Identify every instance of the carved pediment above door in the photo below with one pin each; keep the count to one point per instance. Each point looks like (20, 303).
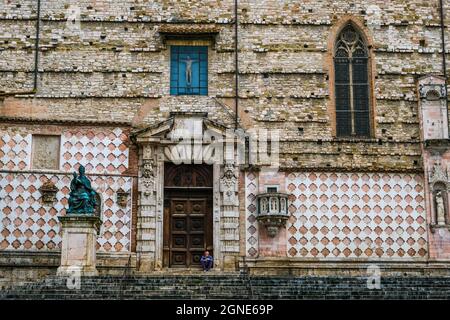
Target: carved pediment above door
(186, 137)
(152, 134)
(194, 124)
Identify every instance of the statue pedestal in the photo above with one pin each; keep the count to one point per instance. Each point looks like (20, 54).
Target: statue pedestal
(79, 239)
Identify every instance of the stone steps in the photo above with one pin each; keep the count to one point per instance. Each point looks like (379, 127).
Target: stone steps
(232, 286)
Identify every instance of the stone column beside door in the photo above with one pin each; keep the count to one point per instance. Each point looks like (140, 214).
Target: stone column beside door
(147, 202)
(229, 237)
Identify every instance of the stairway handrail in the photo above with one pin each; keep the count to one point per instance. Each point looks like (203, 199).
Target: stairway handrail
(126, 273)
(248, 278)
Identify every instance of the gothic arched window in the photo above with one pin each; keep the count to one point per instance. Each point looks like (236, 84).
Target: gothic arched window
(351, 61)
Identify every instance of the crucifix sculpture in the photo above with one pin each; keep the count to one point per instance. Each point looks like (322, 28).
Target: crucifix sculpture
(188, 71)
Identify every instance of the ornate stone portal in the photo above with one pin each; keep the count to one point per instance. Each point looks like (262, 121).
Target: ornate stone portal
(185, 138)
(148, 217)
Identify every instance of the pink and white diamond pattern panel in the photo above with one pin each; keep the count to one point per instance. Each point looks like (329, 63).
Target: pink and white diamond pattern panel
(28, 224)
(100, 151)
(15, 151)
(116, 228)
(25, 222)
(251, 225)
(356, 215)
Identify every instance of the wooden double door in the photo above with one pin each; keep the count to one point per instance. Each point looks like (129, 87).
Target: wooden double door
(187, 216)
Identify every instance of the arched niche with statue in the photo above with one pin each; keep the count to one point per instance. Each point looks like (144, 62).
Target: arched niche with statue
(440, 202)
(440, 187)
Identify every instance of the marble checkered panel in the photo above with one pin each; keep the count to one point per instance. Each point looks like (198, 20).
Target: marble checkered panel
(29, 224)
(357, 215)
(100, 151)
(251, 224)
(349, 215)
(15, 151)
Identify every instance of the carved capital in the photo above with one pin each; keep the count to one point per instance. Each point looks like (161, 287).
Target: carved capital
(122, 197)
(48, 191)
(438, 174)
(148, 175)
(148, 151)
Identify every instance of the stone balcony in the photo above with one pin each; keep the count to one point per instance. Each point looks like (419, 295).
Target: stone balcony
(272, 211)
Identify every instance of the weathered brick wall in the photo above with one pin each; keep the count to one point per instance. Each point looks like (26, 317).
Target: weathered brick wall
(117, 67)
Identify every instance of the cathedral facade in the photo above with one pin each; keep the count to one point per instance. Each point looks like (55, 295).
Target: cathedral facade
(307, 137)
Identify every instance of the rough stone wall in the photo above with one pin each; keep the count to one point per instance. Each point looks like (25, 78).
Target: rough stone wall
(115, 66)
(111, 64)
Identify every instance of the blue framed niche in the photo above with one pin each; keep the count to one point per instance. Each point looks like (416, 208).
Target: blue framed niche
(188, 70)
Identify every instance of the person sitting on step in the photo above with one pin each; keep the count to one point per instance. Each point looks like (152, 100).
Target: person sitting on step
(206, 261)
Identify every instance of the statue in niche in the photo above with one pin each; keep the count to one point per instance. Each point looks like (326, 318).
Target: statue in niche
(439, 200)
(82, 197)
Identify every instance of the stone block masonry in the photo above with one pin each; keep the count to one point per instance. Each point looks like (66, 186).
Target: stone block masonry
(116, 61)
(104, 72)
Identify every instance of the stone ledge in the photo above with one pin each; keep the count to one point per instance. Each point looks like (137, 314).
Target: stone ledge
(9, 120)
(299, 267)
(22, 267)
(23, 259)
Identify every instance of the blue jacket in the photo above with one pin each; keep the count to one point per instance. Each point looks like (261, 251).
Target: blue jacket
(206, 259)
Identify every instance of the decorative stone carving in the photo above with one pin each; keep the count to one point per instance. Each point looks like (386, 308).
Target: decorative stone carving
(148, 174)
(98, 206)
(272, 211)
(432, 91)
(122, 197)
(46, 152)
(228, 185)
(48, 191)
(147, 152)
(438, 174)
